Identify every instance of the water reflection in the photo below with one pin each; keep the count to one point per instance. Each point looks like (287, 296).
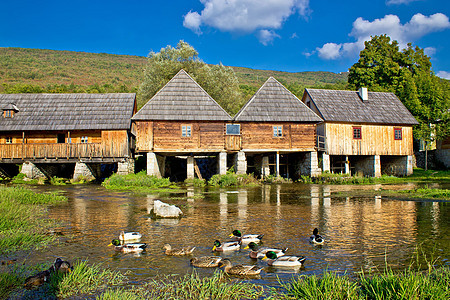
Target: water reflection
(360, 232)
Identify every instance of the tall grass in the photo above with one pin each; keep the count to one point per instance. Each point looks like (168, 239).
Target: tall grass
(233, 179)
(137, 181)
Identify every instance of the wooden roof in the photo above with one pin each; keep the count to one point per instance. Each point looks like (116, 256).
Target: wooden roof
(274, 103)
(182, 99)
(347, 106)
(68, 111)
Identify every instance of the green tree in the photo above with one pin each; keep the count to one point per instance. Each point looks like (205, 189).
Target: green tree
(218, 81)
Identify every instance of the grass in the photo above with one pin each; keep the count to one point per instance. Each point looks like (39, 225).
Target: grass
(138, 182)
(22, 225)
(233, 179)
(427, 193)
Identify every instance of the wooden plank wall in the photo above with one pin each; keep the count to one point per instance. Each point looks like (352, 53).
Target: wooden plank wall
(115, 143)
(376, 140)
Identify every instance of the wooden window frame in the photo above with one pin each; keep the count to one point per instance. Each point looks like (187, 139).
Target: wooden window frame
(226, 129)
(277, 131)
(8, 140)
(396, 130)
(84, 139)
(186, 131)
(357, 133)
(8, 113)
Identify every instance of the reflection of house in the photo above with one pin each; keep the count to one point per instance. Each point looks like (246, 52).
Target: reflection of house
(365, 132)
(45, 131)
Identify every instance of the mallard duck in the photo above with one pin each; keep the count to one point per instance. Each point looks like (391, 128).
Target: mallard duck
(316, 238)
(260, 253)
(206, 261)
(180, 251)
(129, 236)
(236, 235)
(241, 270)
(61, 266)
(129, 247)
(284, 261)
(226, 246)
(37, 280)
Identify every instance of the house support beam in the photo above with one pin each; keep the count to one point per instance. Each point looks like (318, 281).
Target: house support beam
(190, 167)
(241, 163)
(277, 161)
(346, 165)
(156, 164)
(126, 166)
(368, 166)
(398, 165)
(265, 169)
(84, 171)
(325, 162)
(309, 165)
(222, 163)
(31, 171)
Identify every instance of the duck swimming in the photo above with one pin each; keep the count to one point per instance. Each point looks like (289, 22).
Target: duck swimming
(206, 261)
(129, 236)
(129, 247)
(260, 253)
(177, 252)
(240, 270)
(226, 246)
(236, 235)
(284, 261)
(316, 238)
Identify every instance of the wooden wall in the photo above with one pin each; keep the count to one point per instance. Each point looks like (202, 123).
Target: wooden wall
(259, 135)
(376, 140)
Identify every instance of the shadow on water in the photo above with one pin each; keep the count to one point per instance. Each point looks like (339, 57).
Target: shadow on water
(361, 232)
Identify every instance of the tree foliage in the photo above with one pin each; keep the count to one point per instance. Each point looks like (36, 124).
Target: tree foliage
(219, 82)
(408, 73)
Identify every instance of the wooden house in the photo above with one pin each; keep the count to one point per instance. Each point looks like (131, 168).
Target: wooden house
(364, 132)
(277, 133)
(42, 129)
(181, 120)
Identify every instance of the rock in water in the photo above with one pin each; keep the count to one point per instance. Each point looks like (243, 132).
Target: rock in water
(164, 210)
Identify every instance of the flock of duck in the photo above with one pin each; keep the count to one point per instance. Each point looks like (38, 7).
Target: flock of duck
(129, 242)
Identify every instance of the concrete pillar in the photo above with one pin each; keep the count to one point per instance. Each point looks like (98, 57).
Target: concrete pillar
(126, 167)
(241, 163)
(325, 162)
(190, 167)
(347, 166)
(32, 171)
(401, 165)
(156, 164)
(83, 171)
(376, 166)
(369, 166)
(222, 163)
(265, 169)
(309, 165)
(277, 164)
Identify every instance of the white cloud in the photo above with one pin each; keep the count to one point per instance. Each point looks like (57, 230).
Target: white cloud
(429, 51)
(245, 16)
(388, 2)
(266, 36)
(417, 27)
(443, 74)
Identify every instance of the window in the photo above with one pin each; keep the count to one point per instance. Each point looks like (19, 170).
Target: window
(8, 114)
(8, 140)
(84, 139)
(277, 131)
(61, 138)
(357, 133)
(186, 130)
(397, 133)
(233, 129)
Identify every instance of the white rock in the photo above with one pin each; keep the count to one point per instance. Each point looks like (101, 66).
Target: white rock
(164, 210)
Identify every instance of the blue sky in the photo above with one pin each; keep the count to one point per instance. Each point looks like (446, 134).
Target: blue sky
(284, 35)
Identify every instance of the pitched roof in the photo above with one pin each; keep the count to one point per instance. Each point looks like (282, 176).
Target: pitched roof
(274, 103)
(347, 106)
(68, 111)
(182, 99)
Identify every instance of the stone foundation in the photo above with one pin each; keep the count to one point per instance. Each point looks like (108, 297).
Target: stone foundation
(190, 168)
(156, 164)
(240, 163)
(32, 171)
(222, 163)
(398, 165)
(309, 165)
(368, 166)
(85, 171)
(126, 167)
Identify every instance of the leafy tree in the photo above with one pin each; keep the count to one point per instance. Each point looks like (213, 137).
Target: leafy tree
(218, 81)
(407, 73)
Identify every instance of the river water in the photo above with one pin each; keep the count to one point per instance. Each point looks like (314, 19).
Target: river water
(362, 231)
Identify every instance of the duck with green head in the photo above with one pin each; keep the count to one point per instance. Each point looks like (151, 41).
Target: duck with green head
(316, 239)
(261, 252)
(129, 247)
(284, 261)
(226, 246)
(236, 235)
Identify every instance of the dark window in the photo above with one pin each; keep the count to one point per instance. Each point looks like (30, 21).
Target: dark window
(357, 133)
(61, 138)
(186, 130)
(277, 131)
(84, 139)
(233, 129)
(397, 133)
(9, 140)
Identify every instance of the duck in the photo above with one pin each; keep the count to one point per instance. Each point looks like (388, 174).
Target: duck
(61, 266)
(240, 270)
(129, 236)
(37, 280)
(226, 246)
(236, 235)
(129, 247)
(316, 238)
(260, 253)
(206, 261)
(284, 261)
(177, 252)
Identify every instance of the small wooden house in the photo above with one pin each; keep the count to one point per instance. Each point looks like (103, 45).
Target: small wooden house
(364, 132)
(65, 128)
(181, 120)
(277, 130)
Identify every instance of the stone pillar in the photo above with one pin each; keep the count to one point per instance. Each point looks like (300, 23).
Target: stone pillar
(402, 165)
(32, 171)
(325, 162)
(82, 170)
(309, 165)
(156, 164)
(190, 167)
(241, 163)
(369, 166)
(277, 164)
(265, 169)
(126, 166)
(222, 163)
(376, 166)
(347, 165)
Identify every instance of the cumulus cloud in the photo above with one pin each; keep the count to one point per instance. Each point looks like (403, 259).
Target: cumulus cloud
(245, 16)
(417, 27)
(444, 74)
(266, 36)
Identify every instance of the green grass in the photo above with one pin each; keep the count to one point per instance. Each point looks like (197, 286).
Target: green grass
(233, 179)
(427, 193)
(9, 282)
(140, 182)
(22, 225)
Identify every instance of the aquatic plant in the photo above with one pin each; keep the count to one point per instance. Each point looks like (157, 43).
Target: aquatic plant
(197, 182)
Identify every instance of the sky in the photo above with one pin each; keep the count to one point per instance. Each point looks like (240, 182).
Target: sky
(281, 35)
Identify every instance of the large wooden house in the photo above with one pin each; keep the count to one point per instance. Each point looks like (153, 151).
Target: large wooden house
(181, 122)
(277, 133)
(365, 132)
(85, 130)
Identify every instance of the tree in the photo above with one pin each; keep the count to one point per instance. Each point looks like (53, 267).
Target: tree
(407, 73)
(219, 82)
